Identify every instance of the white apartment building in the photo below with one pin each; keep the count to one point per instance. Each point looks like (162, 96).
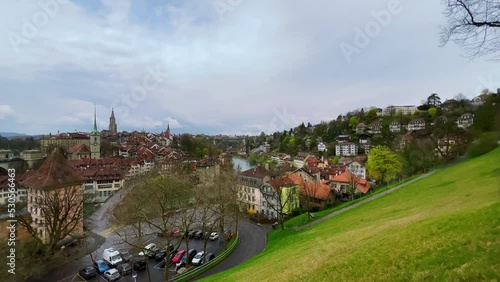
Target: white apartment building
(346, 149)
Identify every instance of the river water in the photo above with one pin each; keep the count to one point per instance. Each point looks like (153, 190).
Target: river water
(242, 163)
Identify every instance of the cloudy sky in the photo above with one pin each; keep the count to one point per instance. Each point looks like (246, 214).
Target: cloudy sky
(221, 66)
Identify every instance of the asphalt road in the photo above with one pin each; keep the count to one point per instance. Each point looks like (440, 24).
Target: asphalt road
(253, 240)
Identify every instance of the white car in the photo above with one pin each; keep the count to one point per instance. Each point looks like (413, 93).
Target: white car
(111, 274)
(149, 250)
(198, 259)
(214, 236)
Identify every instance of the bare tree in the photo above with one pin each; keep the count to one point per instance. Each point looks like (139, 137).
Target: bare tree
(473, 25)
(281, 195)
(60, 212)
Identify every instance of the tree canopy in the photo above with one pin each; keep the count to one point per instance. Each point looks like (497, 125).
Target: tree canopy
(383, 165)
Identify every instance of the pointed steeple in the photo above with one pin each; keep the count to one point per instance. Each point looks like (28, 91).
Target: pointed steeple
(94, 130)
(168, 127)
(112, 112)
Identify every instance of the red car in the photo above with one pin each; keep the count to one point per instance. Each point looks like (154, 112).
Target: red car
(177, 258)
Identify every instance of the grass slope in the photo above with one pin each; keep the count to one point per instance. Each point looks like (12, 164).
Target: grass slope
(445, 227)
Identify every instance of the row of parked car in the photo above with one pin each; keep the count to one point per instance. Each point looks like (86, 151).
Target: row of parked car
(113, 266)
(192, 234)
(177, 257)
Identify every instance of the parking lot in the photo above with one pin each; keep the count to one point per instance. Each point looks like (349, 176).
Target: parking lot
(153, 266)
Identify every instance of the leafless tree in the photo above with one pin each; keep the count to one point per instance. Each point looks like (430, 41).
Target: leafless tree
(280, 195)
(60, 212)
(473, 25)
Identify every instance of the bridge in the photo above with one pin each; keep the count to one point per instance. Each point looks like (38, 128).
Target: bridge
(16, 163)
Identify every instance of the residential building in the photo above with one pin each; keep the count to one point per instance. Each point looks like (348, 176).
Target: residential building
(342, 183)
(309, 174)
(465, 120)
(375, 127)
(346, 149)
(250, 183)
(78, 152)
(416, 124)
(395, 126)
(316, 195)
(55, 179)
(357, 166)
(102, 183)
(394, 110)
(477, 101)
(361, 128)
(280, 195)
(21, 191)
(322, 147)
(300, 159)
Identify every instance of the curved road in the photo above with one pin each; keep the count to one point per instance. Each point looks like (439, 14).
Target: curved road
(253, 240)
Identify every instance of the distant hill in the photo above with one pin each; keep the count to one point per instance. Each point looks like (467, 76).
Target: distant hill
(12, 134)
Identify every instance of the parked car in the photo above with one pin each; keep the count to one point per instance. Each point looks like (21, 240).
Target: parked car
(181, 263)
(208, 257)
(191, 254)
(198, 235)
(139, 263)
(175, 233)
(161, 254)
(178, 256)
(88, 272)
(198, 258)
(191, 234)
(124, 269)
(214, 236)
(149, 250)
(111, 274)
(101, 266)
(112, 257)
(126, 256)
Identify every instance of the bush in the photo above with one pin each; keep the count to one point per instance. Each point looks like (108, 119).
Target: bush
(314, 209)
(486, 143)
(297, 212)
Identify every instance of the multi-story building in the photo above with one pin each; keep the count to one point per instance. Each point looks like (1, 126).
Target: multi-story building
(465, 120)
(395, 126)
(346, 149)
(416, 124)
(55, 185)
(250, 183)
(19, 195)
(394, 110)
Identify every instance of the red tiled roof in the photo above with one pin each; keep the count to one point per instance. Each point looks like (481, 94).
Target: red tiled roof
(54, 173)
(316, 190)
(256, 172)
(348, 177)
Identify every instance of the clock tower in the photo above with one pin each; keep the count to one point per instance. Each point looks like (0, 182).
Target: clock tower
(95, 141)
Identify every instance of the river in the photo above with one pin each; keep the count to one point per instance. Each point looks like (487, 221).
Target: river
(243, 163)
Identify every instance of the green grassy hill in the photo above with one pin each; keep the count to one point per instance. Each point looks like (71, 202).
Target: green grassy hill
(445, 227)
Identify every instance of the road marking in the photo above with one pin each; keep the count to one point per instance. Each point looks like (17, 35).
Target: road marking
(109, 231)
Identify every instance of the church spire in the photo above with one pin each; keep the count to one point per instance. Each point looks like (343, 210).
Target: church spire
(94, 130)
